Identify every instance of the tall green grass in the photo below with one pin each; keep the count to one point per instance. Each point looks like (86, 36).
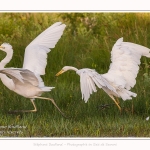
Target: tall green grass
(86, 43)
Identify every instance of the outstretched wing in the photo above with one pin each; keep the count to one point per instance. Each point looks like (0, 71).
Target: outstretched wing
(125, 57)
(89, 79)
(35, 58)
(22, 75)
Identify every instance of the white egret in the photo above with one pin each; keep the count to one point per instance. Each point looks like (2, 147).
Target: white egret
(26, 81)
(120, 78)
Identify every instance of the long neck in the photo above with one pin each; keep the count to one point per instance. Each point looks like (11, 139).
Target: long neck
(6, 81)
(7, 59)
(73, 68)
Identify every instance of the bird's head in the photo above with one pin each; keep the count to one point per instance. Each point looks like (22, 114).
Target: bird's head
(66, 68)
(5, 47)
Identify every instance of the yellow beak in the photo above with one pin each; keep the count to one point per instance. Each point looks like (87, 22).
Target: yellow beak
(59, 73)
(2, 47)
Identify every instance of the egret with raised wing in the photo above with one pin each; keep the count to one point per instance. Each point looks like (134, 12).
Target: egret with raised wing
(121, 76)
(27, 81)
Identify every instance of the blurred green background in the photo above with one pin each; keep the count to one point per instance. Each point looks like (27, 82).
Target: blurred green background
(86, 43)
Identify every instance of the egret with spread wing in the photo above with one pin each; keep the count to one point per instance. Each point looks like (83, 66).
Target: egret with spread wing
(27, 81)
(120, 78)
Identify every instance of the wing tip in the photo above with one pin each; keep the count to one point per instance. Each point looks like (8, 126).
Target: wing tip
(119, 41)
(58, 24)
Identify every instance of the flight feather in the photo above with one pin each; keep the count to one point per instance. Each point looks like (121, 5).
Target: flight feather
(35, 58)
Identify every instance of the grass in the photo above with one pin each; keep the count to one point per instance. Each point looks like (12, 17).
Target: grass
(85, 48)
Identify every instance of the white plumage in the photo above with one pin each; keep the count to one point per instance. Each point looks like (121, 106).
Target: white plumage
(36, 52)
(26, 81)
(121, 76)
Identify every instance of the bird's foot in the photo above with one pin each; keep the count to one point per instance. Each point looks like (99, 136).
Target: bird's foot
(21, 111)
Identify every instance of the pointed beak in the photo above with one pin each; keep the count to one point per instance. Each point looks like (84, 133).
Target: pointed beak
(59, 73)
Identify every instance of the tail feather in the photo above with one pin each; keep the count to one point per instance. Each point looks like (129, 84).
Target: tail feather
(126, 95)
(47, 89)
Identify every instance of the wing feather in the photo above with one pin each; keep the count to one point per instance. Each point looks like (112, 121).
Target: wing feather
(123, 70)
(125, 57)
(22, 75)
(35, 58)
(89, 79)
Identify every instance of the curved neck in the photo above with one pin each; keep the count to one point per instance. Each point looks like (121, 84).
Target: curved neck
(7, 59)
(73, 68)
